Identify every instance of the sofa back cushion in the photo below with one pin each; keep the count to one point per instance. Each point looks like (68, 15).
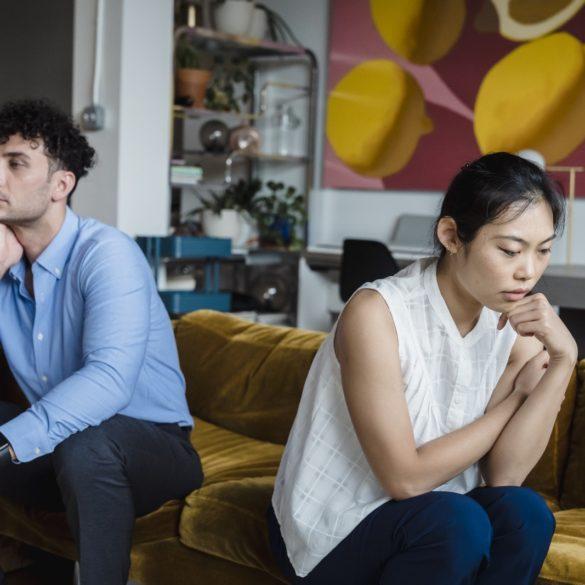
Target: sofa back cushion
(243, 376)
(573, 495)
(547, 475)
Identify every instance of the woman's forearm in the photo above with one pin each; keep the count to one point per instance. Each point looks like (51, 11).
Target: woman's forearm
(443, 458)
(524, 439)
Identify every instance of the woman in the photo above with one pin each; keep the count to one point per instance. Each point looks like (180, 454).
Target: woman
(430, 402)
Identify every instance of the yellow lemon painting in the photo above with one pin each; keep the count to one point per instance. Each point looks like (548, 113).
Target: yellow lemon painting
(528, 100)
(416, 87)
(376, 115)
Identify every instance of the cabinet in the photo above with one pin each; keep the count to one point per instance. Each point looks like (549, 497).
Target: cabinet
(207, 252)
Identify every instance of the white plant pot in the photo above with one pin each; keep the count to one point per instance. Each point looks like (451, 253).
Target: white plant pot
(225, 225)
(258, 24)
(248, 232)
(234, 17)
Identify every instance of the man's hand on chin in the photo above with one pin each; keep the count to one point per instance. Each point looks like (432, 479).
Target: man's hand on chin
(10, 249)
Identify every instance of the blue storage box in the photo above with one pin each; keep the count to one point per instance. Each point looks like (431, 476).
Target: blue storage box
(186, 301)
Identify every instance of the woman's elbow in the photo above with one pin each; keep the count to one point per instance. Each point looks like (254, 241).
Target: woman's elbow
(402, 490)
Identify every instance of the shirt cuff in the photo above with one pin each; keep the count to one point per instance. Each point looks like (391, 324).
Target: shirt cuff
(27, 437)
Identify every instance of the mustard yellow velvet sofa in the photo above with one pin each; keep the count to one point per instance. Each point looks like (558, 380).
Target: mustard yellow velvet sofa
(243, 383)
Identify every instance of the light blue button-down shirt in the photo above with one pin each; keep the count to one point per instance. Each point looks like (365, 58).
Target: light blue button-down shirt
(94, 341)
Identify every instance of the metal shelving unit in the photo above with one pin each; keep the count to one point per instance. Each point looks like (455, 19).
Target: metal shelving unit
(258, 51)
(161, 252)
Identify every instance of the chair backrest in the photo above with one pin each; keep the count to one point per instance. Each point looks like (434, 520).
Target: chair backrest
(364, 261)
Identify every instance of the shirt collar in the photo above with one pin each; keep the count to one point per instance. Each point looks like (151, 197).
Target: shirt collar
(56, 254)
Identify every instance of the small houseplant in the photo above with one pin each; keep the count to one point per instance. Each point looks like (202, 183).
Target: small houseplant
(228, 74)
(280, 214)
(191, 80)
(224, 215)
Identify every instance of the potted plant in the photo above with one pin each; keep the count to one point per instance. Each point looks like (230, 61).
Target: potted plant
(191, 80)
(234, 17)
(279, 215)
(228, 73)
(225, 215)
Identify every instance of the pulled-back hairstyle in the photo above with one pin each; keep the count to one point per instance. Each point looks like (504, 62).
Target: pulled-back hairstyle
(486, 188)
(64, 144)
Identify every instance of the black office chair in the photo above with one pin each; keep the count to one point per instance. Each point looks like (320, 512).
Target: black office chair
(364, 261)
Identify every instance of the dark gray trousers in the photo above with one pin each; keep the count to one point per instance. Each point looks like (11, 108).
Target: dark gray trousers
(103, 478)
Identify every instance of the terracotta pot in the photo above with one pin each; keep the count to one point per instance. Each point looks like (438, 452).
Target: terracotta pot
(192, 83)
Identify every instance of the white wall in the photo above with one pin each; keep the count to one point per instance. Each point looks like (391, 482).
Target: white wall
(308, 20)
(97, 194)
(129, 186)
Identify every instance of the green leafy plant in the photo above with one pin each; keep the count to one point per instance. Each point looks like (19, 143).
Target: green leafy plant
(279, 214)
(186, 55)
(227, 73)
(240, 196)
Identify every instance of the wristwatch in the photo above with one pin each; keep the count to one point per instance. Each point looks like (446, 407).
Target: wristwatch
(5, 456)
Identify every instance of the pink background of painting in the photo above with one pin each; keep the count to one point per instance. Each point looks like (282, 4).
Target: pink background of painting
(449, 86)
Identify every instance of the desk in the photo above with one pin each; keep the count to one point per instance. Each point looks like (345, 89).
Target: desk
(563, 285)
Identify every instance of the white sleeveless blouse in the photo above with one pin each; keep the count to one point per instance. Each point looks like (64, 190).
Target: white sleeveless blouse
(325, 486)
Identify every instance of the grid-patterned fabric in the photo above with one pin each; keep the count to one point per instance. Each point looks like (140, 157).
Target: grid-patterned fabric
(325, 485)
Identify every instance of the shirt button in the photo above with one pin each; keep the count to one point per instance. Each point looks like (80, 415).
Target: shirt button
(40, 337)
(44, 378)
(37, 451)
(57, 271)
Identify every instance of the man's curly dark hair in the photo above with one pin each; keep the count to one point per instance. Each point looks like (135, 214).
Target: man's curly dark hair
(64, 144)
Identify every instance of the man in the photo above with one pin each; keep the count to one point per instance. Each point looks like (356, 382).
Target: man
(88, 340)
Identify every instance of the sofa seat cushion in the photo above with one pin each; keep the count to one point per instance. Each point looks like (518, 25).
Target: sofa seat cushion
(230, 456)
(565, 561)
(49, 530)
(239, 479)
(169, 562)
(552, 503)
(239, 508)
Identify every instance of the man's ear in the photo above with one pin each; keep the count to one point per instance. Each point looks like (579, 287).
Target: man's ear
(63, 183)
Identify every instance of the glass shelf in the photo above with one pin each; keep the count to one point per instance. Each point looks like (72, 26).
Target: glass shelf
(194, 113)
(215, 41)
(262, 156)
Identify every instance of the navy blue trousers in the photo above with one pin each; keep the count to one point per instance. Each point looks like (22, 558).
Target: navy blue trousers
(103, 478)
(489, 536)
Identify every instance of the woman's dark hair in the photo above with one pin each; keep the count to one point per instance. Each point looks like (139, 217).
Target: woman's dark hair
(486, 188)
(64, 144)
